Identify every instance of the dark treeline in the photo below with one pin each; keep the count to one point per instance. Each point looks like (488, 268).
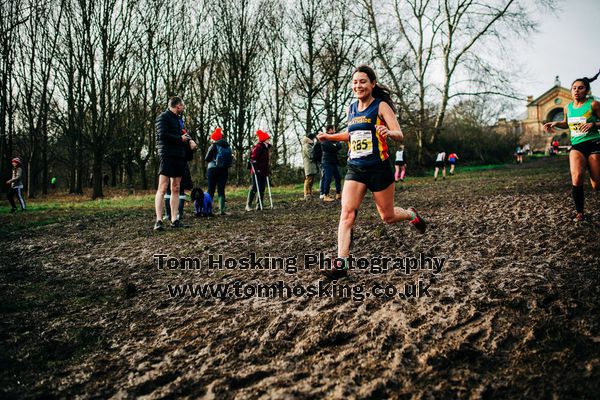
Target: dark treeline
(82, 81)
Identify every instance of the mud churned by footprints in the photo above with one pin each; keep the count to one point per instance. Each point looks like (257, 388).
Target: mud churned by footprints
(514, 312)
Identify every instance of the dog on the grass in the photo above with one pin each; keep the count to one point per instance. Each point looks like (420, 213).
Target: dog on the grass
(203, 204)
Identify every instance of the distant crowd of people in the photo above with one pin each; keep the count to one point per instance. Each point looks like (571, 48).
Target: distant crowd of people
(176, 149)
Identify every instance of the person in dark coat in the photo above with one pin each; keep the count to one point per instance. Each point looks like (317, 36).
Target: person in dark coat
(329, 163)
(171, 144)
(219, 159)
(259, 160)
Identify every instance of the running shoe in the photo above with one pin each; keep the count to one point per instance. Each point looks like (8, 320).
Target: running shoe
(418, 222)
(327, 198)
(579, 217)
(177, 224)
(337, 272)
(321, 196)
(158, 226)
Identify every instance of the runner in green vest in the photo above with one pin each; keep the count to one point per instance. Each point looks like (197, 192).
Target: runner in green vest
(582, 117)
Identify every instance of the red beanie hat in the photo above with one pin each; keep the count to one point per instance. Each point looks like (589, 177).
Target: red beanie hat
(262, 136)
(216, 135)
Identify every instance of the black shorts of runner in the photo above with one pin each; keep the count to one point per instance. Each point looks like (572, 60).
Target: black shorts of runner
(588, 147)
(440, 164)
(377, 177)
(173, 167)
(400, 163)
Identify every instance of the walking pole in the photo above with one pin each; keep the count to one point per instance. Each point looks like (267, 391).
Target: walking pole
(270, 197)
(257, 186)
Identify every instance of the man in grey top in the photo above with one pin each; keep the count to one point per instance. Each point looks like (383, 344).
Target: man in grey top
(310, 166)
(16, 185)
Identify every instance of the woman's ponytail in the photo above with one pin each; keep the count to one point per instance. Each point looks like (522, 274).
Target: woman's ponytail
(587, 81)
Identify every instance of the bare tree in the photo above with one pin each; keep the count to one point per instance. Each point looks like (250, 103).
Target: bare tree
(71, 80)
(37, 53)
(239, 25)
(425, 35)
(276, 103)
(309, 28)
(13, 14)
(343, 47)
(105, 43)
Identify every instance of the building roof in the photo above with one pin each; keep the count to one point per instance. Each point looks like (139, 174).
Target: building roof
(547, 93)
(550, 91)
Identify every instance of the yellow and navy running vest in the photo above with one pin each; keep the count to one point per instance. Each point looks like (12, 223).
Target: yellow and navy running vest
(367, 147)
(579, 116)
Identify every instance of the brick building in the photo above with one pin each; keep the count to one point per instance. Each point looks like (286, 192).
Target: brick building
(545, 108)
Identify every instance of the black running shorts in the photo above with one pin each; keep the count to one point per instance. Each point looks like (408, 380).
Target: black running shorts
(173, 167)
(376, 177)
(588, 147)
(400, 163)
(440, 164)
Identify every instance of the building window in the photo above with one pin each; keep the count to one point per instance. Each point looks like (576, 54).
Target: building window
(556, 114)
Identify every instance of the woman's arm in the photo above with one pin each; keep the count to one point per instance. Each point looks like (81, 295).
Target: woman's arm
(392, 129)
(549, 126)
(591, 125)
(17, 176)
(336, 137)
(210, 154)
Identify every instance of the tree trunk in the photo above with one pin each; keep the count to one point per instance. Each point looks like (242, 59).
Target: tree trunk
(97, 173)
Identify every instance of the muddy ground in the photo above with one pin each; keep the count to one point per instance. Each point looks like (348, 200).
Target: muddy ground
(514, 312)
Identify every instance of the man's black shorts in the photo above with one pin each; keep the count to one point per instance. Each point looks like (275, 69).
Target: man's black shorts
(440, 164)
(173, 167)
(377, 177)
(588, 147)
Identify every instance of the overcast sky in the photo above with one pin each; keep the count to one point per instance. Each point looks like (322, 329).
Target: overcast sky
(567, 45)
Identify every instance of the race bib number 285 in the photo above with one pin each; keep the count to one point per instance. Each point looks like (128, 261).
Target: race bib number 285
(361, 144)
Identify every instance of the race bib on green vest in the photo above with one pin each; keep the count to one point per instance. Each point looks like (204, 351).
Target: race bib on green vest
(575, 124)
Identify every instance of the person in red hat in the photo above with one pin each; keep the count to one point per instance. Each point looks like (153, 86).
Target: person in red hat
(259, 160)
(16, 185)
(219, 158)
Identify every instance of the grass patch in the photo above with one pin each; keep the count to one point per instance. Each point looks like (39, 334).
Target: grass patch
(61, 208)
